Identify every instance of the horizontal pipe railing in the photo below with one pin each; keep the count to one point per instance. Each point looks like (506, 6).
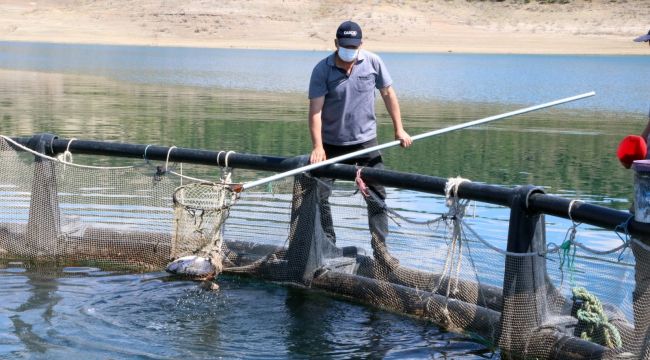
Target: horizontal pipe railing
(494, 194)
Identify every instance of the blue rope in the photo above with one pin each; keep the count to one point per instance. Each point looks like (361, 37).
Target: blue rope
(568, 253)
(626, 241)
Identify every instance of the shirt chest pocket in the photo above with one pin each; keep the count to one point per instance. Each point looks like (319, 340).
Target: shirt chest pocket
(365, 83)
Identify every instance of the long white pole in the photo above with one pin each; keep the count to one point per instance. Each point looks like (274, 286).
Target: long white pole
(333, 160)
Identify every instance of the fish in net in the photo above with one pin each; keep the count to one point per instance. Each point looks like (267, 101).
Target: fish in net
(200, 210)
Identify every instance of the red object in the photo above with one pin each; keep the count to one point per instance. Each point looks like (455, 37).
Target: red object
(362, 185)
(632, 147)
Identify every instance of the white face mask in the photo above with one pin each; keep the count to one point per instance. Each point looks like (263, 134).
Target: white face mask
(348, 55)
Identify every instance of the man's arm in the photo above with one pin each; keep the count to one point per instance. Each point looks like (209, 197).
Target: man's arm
(315, 127)
(390, 100)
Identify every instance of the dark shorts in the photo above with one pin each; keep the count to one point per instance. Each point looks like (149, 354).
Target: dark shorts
(371, 159)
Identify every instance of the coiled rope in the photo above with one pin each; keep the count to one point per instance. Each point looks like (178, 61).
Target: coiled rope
(593, 321)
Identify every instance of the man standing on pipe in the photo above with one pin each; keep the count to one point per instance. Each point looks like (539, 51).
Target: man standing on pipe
(342, 120)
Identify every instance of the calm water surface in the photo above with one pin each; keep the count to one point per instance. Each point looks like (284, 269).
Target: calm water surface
(149, 316)
(255, 102)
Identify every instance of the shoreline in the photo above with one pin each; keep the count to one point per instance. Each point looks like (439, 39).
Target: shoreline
(270, 47)
(579, 27)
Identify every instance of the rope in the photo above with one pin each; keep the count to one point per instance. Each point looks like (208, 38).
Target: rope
(451, 187)
(180, 175)
(451, 196)
(226, 171)
(567, 256)
(172, 172)
(594, 322)
(228, 154)
(168, 153)
(36, 153)
(144, 156)
(66, 156)
(360, 183)
(453, 223)
(626, 240)
(65, 162)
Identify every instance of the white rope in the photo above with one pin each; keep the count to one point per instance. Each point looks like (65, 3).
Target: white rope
(225, 180)
(453, 224)
(36, 153)
(552, 247)
(228, 154)
(451, 190)
(574, 201)
(144, 156)
(64, 162)
(226, 171)
(172, 172)
(168, 153)
(66, 156)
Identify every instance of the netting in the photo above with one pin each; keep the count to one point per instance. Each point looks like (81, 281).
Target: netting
(582, 295)
(200, 210)
(52, 212)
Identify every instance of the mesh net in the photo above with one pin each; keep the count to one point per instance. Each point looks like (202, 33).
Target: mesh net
(200, 209)
(584, 294)
(52, 212)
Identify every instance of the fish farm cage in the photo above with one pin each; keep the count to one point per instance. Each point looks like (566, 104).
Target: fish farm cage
(521, 295)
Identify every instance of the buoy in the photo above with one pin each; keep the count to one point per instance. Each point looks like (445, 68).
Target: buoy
(632, 147)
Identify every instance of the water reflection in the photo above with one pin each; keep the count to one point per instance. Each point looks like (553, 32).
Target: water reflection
(312, 315)
(450, 77)
(563, 150)
(320, 328)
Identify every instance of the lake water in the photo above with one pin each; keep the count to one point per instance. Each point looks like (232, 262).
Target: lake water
(254, 101)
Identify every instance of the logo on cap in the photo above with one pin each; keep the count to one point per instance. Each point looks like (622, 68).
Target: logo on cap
(349, 34)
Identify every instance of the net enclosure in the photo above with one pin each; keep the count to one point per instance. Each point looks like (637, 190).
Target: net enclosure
(496, 277)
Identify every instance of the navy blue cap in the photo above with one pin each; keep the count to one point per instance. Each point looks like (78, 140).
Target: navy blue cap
(643, 38)
(349, 34)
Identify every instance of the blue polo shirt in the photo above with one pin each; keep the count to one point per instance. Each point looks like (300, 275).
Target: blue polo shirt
(348, 115)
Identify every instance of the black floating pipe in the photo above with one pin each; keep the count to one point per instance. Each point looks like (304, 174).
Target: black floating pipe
(589, 214)
(436, 185)
(159, 153)
(493, 194)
